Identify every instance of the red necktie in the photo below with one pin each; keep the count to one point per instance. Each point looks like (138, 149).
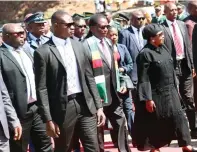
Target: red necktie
(177, 41)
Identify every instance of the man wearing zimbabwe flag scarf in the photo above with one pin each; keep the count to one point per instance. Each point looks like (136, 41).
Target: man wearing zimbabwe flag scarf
(104, 64)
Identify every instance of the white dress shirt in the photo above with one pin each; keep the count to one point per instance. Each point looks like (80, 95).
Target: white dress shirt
(139, 36)
(68, 56)
(27, 67)
(178, 57)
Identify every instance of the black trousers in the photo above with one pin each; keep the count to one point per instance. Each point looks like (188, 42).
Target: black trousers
(78, 118)
(186, 90)
(116, 116)
(34, 129)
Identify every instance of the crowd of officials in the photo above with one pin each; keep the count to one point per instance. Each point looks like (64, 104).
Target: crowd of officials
(62, 84)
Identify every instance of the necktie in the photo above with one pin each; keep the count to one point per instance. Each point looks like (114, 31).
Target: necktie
(106, 52)
(177, 41)
(38, 41)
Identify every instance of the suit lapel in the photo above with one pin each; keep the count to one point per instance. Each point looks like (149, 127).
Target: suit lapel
(56, 52)
(182, 31)
(12, 58)
(29, 55)
(134, 37)
(167, 29)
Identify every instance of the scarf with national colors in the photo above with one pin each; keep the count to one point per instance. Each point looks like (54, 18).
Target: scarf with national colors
(97, 65)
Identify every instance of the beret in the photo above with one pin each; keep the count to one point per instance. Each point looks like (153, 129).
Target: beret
(151, 30)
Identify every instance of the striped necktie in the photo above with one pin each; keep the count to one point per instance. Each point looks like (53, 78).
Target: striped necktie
(177, 41)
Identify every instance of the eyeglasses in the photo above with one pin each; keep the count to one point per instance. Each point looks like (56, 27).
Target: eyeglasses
(67, 24)
(104, 26)
(17, 34)
(81, 26)
(140, 18)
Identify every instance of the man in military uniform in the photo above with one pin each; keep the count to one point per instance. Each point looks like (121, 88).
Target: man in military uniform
(159, 17)
(36, 31)
(181, 12)
(111, 21)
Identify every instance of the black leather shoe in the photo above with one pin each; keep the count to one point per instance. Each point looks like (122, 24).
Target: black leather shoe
(193, 150)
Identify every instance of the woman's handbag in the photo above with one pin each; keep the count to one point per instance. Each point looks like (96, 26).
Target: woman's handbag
(124, 77)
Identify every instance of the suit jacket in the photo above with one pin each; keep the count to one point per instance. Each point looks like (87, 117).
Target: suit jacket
(125, 59)
(8, 117)
(51, 81)
(187, 45)
(190, 22)
(15, 81)
(194, 47)
(110, 74)
(128, 38)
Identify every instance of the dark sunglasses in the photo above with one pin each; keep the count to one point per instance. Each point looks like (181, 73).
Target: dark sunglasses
(67, 24)
(17, 33)
(81, 26)
(140, 18)
(104, 26)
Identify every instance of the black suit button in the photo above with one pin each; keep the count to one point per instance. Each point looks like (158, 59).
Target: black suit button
(26, 90)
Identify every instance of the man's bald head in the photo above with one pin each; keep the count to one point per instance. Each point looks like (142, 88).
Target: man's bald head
(168, 6)
(192, 8)
(58, 16)
(170, 10)
(13, 34)
(137, 13)
(11, 28)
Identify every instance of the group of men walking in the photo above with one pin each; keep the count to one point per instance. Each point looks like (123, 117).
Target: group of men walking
(64, 83)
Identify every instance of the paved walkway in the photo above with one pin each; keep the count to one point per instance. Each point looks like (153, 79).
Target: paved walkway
(173, 147)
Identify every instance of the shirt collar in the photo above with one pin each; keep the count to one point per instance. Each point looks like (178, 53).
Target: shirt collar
(59, 41)
(32, 37)
(9, 47)
(170, 22)
(49, 34)
(97, 40)
(136, 29)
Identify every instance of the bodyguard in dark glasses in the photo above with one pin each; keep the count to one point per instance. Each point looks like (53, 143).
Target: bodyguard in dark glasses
(18, 75)
(66, 88)
(80, 28)
(132, 38)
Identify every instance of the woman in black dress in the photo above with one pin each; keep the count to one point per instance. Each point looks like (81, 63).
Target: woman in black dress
(159, 115)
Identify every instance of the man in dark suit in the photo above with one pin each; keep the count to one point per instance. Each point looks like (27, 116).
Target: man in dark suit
(191, 20)
(178, 43)
(80, 28)
(108, 76)
(8, 119)
(17, 71)
(132, 38)
(66, 89)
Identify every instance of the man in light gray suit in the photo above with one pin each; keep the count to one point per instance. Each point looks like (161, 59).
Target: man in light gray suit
(8, 119)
